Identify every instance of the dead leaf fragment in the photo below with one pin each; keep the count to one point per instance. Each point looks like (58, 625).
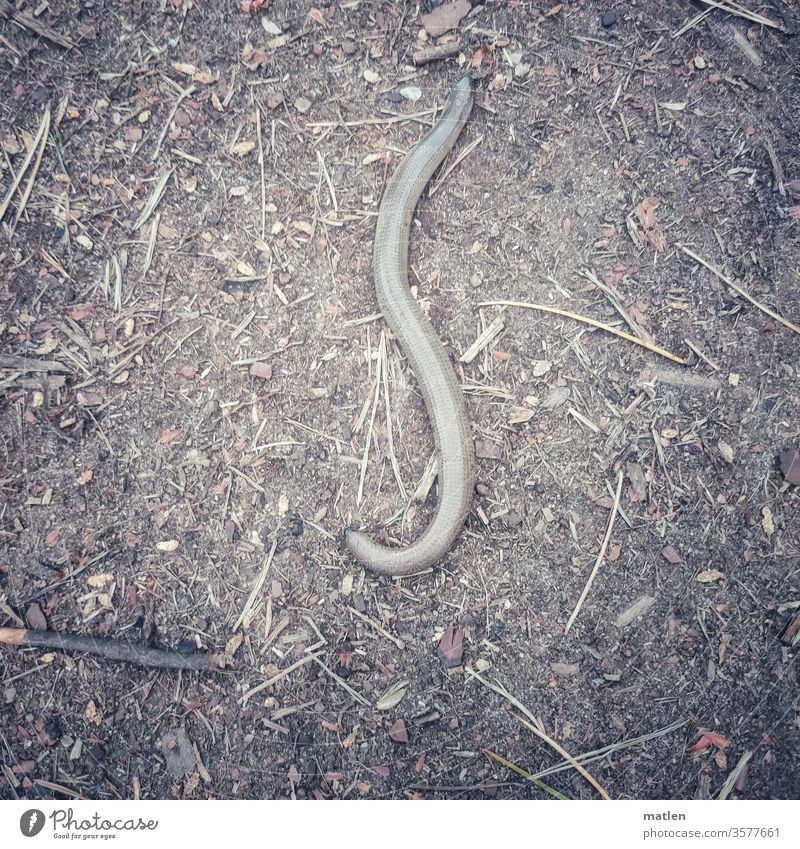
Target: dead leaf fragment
(451, 646)
(790, 467)
(640, 606)
(708, 576)
(767, 522)
(253, 57)
(488, 450)
(398, 732)
(393, 696)
(178, 752)
(726, 452)
(646, 213)
(170, 435)
(710, 738)
(100, 580)
(262, 370)
(243, 148)
(92, 713)
(35, 618)
(670, 554)
(445, 18)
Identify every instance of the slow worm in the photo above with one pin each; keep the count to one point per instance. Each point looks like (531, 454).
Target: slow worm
(429, 361)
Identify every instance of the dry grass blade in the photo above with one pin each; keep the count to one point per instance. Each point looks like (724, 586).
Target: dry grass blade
(524, 773)
(259, 583)
(36, 149)
(591, 322)
(730, 781)
(600, 555)
(154, 198)
(34, 171)
(604, 751)
(501, 691)
(343, 684)
(739, 290)
(365, 459)
(453, 165)
(567, 756)
(740, 12)
(59, 788)
(535, 725)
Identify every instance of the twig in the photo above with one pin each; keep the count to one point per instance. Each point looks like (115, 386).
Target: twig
(700, 354)
(59, 788)
(486, 337)
(439, 51)
(738, 289)
(601, 554)
(165, 129)
(393, 119)
(263, 177)
(692, 22)
(399, 643)
(564, 754)
(112, 649)
(275, 678)
(614, 298)
(591, 322)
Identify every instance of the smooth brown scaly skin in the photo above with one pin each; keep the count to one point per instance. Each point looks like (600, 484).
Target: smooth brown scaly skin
(429, 361)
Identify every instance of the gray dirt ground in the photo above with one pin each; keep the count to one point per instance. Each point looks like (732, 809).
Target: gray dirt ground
(145, 482)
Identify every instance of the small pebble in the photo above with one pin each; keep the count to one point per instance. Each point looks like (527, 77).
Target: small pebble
(608, 19)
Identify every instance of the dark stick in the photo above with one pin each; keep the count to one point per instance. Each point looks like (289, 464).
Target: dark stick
(433, 54)
(112, 649)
